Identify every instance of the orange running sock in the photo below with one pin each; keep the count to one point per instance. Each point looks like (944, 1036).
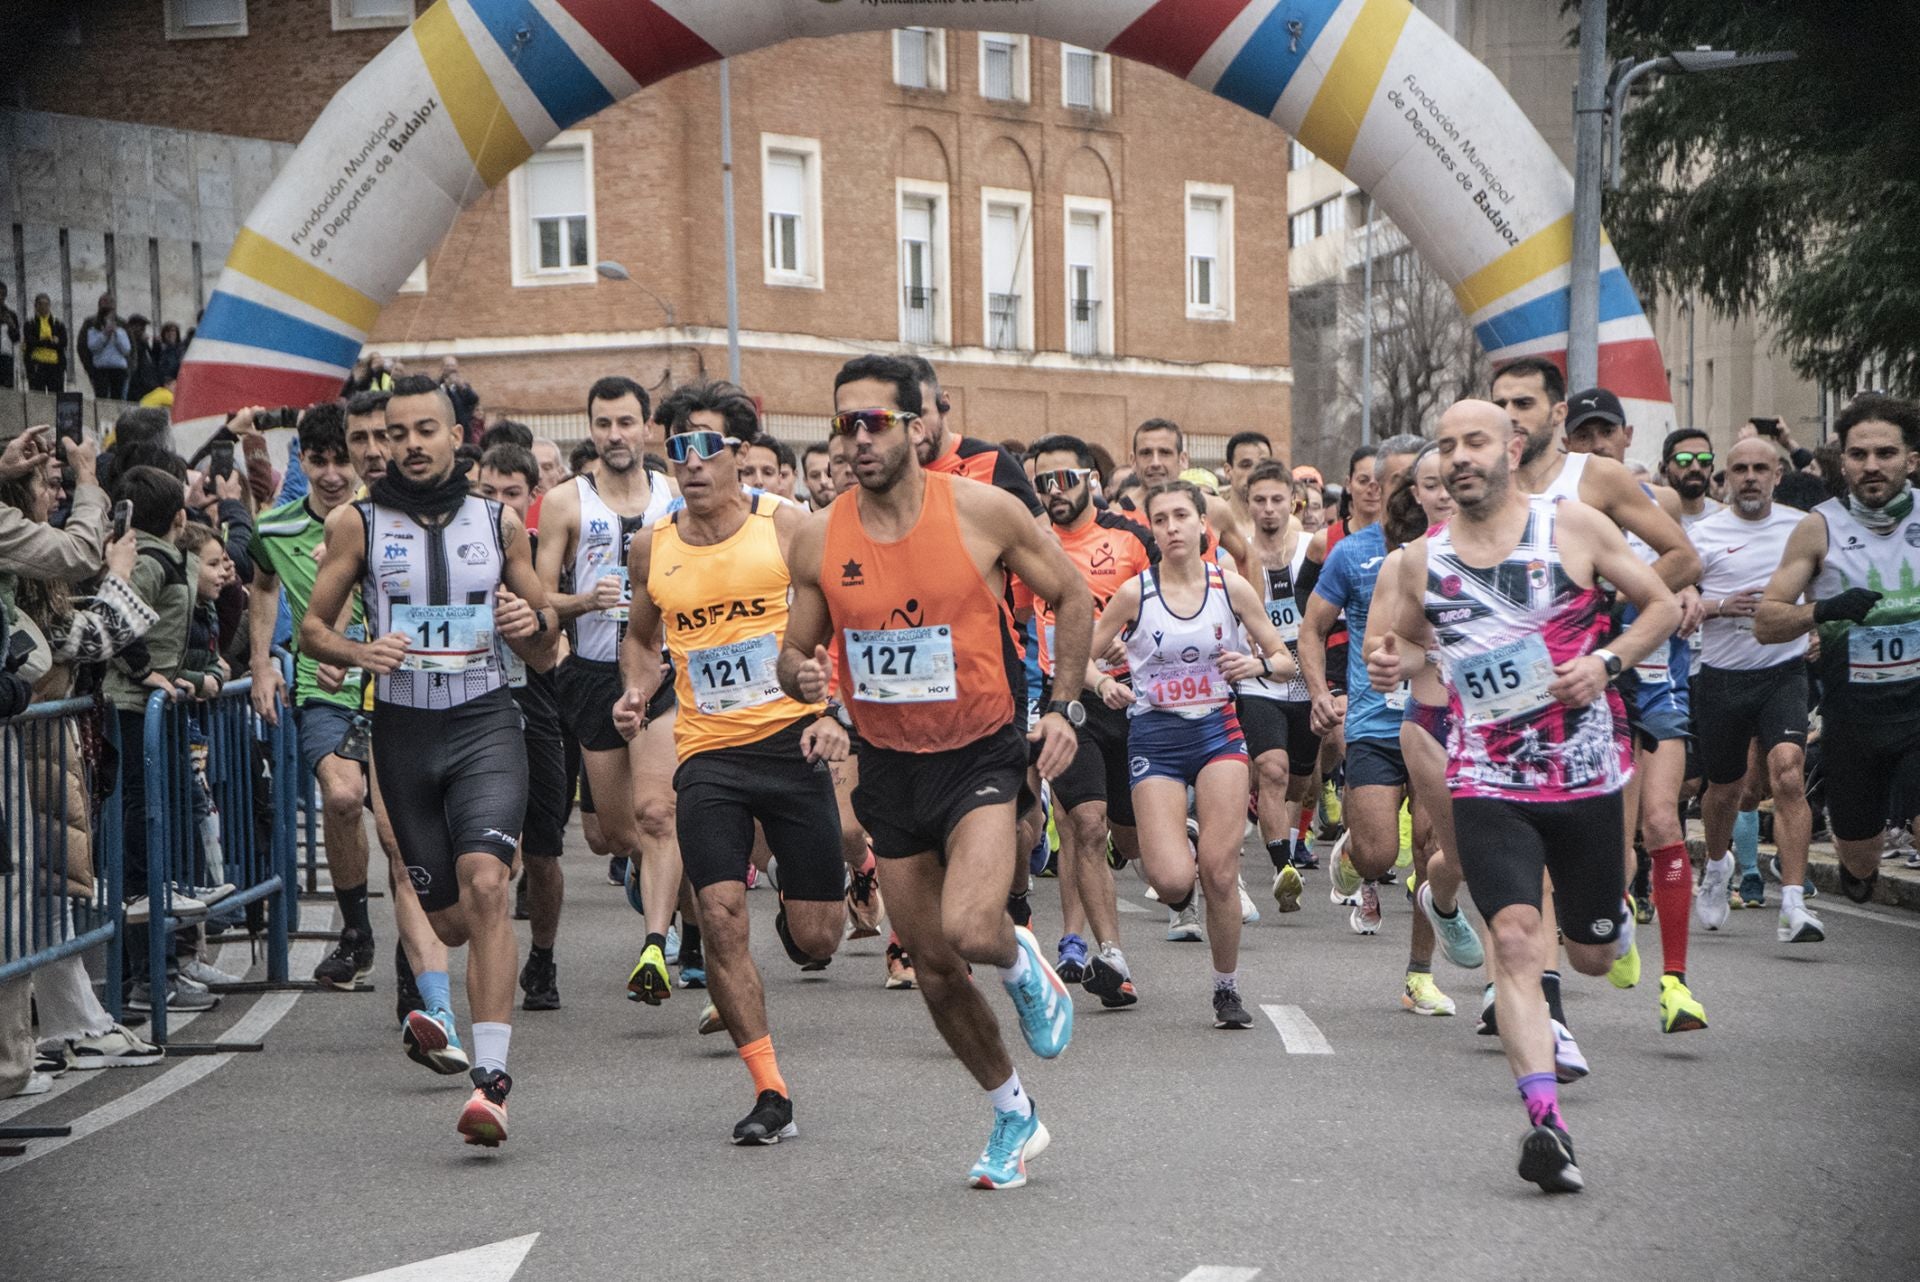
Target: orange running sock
(765, 1069)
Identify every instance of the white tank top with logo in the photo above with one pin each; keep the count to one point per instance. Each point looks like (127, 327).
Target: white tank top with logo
(1283, 611)
(1176, 661)
(436, 584)
(599, 550)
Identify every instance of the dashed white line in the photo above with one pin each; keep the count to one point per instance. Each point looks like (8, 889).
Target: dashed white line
(1297, 1031)
(1221, 1273)
(1822, 905)
(1129, 906)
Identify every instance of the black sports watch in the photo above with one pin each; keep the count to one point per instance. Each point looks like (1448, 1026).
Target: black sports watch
(1612, 662)
(1072, 709)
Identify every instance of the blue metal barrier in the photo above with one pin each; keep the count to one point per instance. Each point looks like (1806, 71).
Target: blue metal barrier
(236, 740)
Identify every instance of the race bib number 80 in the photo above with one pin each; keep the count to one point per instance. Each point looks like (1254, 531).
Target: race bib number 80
(446, 638)
(902, 665)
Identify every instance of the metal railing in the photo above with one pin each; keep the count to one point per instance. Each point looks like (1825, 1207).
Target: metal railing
(1083, 327)
(1003, 321)
(916, 322)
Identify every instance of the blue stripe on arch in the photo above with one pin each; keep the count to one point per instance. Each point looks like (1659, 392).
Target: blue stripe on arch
(567, 90)
(238, 320)
(1549, 313)
(1261, 71)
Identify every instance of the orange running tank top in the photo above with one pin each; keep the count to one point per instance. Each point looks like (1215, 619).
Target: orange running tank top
(927, 659)
(724, 611)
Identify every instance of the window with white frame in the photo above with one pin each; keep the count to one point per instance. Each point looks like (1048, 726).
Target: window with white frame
(924, 300)
(551, 199)
(1006, 259)
(1089, 262)
(361, 15)
(1086, 79)
(790, 200)
(920, 58)
(1209, 252)
(205, 19)
(1003, 67)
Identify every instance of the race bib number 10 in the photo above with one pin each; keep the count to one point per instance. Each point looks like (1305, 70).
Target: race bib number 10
(729, 677)
(902, 665)
(446, 638)
(1504, 681)
(1878, 655)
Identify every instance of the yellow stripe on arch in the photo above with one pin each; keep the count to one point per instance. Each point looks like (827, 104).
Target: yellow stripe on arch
(487, 129)
(1333, 120)
(1547, 249)
(258, 258)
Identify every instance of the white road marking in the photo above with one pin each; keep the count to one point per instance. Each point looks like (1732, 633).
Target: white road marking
(1297, 1031)
(1221, 1273)
(495, 1263)
(1821, 905)
(1129, 906)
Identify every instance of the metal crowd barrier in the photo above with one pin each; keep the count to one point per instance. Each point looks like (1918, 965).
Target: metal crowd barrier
(247, 764)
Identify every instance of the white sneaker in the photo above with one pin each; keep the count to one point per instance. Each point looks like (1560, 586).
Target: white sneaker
(185, 908)
(1365, 918)
(36, 1084)
(1798, 926)
(1340, 870)
(206, 975)
(1184, 927)
(208, 895)
(1710, 900)
(118, 1047)
(1569, 1065)
(1249, 914)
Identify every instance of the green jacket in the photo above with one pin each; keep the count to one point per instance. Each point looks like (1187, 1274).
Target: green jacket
(165, 578)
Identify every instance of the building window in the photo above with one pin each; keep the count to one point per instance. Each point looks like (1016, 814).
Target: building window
(360, 15)
(923, 262)
(1209, 252)
(1086, 79)
(552, 208)
(790, 196)
(206, 19)
(920, 59)
(1006, 258)
(1300, 229)
(1298, 157)
(1089, 276)
(1003, 67)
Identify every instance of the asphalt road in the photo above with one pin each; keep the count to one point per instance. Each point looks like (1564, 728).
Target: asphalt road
(1779, 1143)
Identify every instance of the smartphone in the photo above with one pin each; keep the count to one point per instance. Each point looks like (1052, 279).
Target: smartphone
(220, 460)
(1765, 426)
(122, 517)
(67, 421)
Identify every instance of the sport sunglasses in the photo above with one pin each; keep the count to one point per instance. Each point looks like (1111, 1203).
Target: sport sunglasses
(874, 421)
(1692, 460)
(706, 444)
(1060, 479)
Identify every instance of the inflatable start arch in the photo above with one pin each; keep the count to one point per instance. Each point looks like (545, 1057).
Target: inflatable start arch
(474, 87)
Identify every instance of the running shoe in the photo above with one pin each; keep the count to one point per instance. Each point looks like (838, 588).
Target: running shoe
(432, 1042)
(1806, 883)
(1710, 900)
(1183, 927)
(865, 910)
(1115, 860)
(1858, 889)
(1344, 878)
(1331, 814)
(1423, 997)
(1679, 1012)
(1046, 1012)
(182, 908)
(540, 983)
(1365, 917)
(53, 1059)
(37, 1083)
(650, 982)
(1109, 979)
(630, 878)
(710, 1021)
(118, 1047)
(693, 966)
(1016, 1137)
(770, 1122)
(1913, 860)
(899, 968)
(1305, 857)
(484, 1120)
(176, 997)
(1249, 913)
(1625, 971)
(1287, 889)
(1753, 891)
(1456, 933)
(1073, 959)
(1489, 1025)
(350, 961)
(1228, 1011)
(672, 951)
(1546, 1159)
(617, 871)
(1643, 910)
(406, 993)
(1020, 908)
(1569, 1065)
(204, 973)
(1798, 926)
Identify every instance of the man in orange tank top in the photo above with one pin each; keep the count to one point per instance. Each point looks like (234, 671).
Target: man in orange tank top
(910, 569)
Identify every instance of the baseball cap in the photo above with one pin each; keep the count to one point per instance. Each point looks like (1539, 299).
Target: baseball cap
(1595, 402)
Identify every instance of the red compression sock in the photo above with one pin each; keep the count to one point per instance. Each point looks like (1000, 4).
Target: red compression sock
(1672, 878)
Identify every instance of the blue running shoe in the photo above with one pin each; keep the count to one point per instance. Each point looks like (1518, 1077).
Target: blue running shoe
(633, 886)
(1016, 1137)
(1073, 959)
(1046, 1012)
(432, 1041)
(693, 977)
(1457, 937)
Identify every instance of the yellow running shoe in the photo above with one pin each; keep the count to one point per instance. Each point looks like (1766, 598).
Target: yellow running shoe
(1423, 997)
(1330, 803)
(1405, 857)
(650, 982)
(1679, 1013)
(1625, 971)
(1287, 888)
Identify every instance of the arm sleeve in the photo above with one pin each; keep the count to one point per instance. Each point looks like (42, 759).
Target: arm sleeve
(1303, 584)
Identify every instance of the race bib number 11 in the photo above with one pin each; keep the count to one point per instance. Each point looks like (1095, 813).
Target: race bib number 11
(445, 638)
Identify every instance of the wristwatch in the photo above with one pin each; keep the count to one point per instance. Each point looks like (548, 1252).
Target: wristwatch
(1072, 709)
(1612, 662)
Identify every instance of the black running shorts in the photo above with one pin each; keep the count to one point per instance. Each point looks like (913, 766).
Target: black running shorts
(1736, 707)
(1375, 763)
(455, 783)
(1505, 846)
(1098, 771)
(549, 800)
(587, 689)
(1870, 768)
(910, 802)
(1274, 725)
(722, 792)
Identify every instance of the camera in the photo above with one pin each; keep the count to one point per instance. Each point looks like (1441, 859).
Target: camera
(267, 420)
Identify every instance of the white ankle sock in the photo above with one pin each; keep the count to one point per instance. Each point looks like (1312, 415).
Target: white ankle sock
(1792, 897)
(490, 1043)
(1009, 1098)
(1014, 974)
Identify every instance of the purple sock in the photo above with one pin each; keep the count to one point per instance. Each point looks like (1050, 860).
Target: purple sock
(1542, 1095)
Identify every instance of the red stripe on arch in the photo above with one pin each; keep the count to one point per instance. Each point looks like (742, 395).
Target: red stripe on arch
(641, 36)
(209, 387)
(1633, 370)
(1175, 34)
